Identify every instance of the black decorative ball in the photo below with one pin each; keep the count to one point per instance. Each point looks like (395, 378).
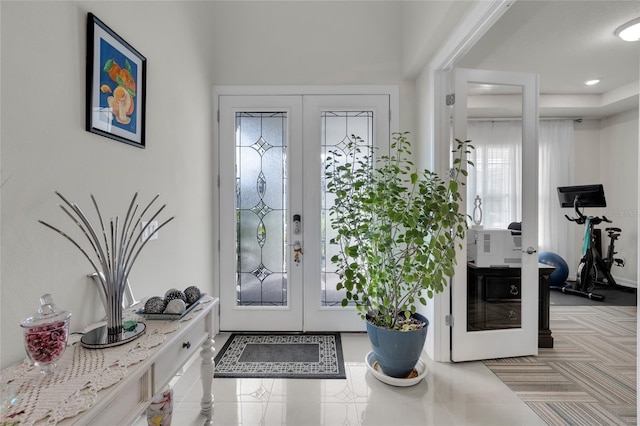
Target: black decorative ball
(155, 305)
(166, 293)
(175, 294)
(192, 293)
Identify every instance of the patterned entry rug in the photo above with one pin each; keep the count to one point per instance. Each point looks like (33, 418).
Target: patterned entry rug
(588, 377)
(282, 356)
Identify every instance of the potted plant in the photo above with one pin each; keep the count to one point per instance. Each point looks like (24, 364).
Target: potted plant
(397, 230)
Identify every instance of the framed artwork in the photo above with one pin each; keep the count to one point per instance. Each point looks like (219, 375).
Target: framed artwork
(116, 85)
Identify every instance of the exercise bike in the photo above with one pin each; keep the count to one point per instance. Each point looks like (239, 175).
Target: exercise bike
(593, 269)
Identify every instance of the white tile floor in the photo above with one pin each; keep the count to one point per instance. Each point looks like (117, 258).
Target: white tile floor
(451, 394)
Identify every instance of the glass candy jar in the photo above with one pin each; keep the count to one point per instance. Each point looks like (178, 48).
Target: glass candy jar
(45, 334)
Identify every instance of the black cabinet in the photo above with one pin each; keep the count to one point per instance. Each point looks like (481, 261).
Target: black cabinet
(493, 300)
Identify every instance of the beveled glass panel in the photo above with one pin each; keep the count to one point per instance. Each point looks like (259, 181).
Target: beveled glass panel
(273, 249)
(338, 128)
(261, 190)
(272, 169)
(274, 290)
(250, 292)
(247, 168)
(247, 241)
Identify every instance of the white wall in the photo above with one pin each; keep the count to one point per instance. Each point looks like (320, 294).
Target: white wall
(606, 152)
(190, 46)
(45, 148)
(586, 151)
(619, 172)
(427, 25)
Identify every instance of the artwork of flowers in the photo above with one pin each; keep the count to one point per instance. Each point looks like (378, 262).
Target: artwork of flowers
(116, 75)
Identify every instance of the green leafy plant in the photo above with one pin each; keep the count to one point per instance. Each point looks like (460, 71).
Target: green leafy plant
(397, 229)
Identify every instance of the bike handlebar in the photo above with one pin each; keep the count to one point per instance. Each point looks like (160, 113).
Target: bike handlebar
(581, 219)
(594, 219)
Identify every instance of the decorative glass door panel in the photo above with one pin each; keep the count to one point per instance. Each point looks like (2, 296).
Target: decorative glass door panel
(261, 187)
(338, 128)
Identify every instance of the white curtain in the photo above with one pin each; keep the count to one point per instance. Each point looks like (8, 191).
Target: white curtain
(497, 174)
(497, 179)
(555, 168)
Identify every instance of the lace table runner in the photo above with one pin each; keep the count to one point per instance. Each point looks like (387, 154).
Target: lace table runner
(80, 374)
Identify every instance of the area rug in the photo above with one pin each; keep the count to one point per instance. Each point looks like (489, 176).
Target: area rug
(282, 356)
(588, 377)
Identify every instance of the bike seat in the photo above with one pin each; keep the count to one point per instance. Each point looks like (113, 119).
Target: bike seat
(613, 229)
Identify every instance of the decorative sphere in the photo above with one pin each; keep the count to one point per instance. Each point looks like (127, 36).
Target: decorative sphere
(155, 305)
(175, 306)
(175, 294)
(192, 293)
(171, 290)
(558, 277)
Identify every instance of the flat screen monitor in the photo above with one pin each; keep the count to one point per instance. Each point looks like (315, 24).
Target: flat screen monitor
(585, 195)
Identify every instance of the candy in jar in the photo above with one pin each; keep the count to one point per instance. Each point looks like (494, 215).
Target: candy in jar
(45, 334)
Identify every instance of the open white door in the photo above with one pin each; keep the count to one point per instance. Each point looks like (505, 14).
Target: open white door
(494, 299)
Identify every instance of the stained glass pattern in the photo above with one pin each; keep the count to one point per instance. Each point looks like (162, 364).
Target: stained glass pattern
(338, 128)
(261, 191)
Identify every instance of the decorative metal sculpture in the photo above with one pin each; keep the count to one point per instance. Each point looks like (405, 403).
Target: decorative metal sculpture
(112, 256)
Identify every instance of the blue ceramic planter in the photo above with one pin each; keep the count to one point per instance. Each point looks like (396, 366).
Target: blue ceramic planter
(397, 352)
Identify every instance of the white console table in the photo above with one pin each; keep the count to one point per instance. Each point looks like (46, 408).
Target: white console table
(114, 385)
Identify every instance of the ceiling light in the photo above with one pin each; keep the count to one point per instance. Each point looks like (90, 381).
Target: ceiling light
(629, 31)
(592, 82)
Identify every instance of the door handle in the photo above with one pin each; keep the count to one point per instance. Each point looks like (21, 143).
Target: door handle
(297, 245)
(529, 250)
(297, 252)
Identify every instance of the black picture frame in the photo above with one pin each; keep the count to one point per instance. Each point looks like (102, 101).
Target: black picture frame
(116, 85)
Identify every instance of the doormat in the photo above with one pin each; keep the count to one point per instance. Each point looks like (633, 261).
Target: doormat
(281, 356)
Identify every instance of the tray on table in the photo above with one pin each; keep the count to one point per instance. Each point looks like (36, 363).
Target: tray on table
(167, 316)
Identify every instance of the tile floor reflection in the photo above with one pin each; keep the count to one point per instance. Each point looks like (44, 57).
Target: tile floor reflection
(451, 394)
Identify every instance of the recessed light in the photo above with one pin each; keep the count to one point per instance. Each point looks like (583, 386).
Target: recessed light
(592, 82)
(629, 31)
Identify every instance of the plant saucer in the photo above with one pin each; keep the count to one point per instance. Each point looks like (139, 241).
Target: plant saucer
(374, 368)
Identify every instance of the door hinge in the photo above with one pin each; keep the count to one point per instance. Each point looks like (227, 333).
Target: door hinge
(218, 181)
(218, 115)
(451, 99)
(448, 320)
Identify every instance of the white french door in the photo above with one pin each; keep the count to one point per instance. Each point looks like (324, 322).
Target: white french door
(329, 122)
(494, 316)
(275, 268)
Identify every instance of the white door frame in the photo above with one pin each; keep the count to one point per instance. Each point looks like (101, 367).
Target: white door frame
(433, 86)
(391, 91)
